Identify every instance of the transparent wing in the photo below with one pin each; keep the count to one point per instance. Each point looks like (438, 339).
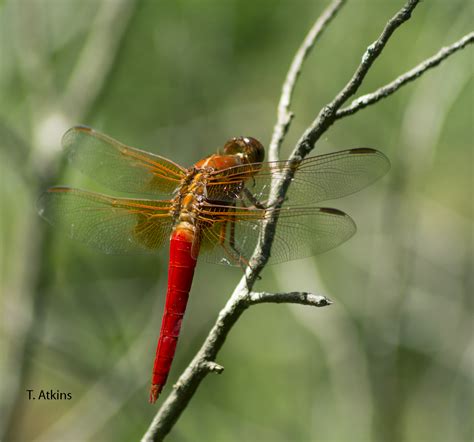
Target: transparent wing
(316, 179)
(112, 225)
(229, 236)
(118, 166)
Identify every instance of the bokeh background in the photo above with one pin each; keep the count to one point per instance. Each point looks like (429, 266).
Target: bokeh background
(392, 359)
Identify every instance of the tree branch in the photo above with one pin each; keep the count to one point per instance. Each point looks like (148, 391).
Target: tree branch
(411, 75)
(188, 382)
(320, 125)
(284, 116)
(327, 115)
(303, 298)
(243, 297)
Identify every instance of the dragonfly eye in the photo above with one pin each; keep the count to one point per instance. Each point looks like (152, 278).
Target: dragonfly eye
(251, 148)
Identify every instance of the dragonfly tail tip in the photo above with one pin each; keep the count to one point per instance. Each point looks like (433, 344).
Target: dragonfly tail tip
(155, 392)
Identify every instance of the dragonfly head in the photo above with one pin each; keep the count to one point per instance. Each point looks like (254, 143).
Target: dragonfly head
(248, 147)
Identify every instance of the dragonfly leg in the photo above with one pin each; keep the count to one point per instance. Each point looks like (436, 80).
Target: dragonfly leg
(234, 253)
(242, 261)
(253, 199)
(259, 204)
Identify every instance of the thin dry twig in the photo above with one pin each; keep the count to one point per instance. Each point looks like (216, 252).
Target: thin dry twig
(320, 125)
(411, 75)
(243, 297)
(284, 115)
(327, 115)
(303, 298)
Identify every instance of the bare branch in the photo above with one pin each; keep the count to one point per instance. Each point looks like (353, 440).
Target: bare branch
(303, 298)
(411, 75)
(327, 115)
(284, 116)
(243, 297)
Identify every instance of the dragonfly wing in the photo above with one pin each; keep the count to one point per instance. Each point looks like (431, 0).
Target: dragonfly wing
(300, 232)
(118, 166)
(112, 225)
(336, 175)
(316, 179)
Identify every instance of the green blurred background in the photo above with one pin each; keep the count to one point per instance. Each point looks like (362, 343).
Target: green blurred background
(391, 359)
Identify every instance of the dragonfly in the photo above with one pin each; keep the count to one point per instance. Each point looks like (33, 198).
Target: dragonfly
(214, 210)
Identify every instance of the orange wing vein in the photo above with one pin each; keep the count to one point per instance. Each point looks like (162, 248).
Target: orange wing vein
(118, 166)
(112, 225)
(230, 236)
(316, 179)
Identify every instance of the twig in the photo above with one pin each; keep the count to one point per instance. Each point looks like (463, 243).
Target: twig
(284, 116)
(413, 74)
(303, 298)
(327, 115)
(243, 297)
(320, 125)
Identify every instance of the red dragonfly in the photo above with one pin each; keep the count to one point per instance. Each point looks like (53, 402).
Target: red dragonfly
(215, 209)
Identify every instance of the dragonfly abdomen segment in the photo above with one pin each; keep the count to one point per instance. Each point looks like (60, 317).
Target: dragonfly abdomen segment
(180, 277)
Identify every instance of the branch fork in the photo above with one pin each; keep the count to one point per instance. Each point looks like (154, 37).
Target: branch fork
(243, 297)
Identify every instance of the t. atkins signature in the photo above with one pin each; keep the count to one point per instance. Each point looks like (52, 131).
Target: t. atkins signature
(49, 395)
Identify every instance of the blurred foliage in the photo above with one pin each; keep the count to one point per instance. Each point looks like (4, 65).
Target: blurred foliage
(391, 359)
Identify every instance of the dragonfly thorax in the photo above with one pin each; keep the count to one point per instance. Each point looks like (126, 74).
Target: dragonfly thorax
(187, 203)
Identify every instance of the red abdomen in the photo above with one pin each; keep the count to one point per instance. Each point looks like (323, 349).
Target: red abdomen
(180, 277)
